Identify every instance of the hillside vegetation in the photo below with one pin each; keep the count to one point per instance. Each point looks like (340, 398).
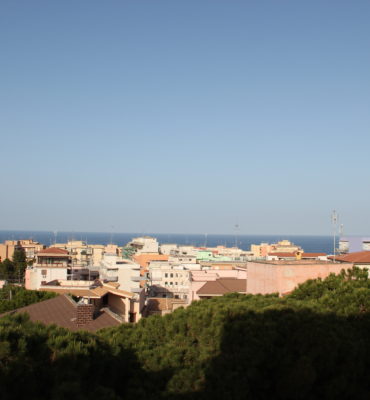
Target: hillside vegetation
(312, 344)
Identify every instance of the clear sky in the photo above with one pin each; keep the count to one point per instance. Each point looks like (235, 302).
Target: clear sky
(185, 116)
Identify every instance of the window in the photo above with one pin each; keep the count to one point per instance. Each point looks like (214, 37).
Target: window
(171, 275)
(44, 273)
(166, 283)
(166, 275)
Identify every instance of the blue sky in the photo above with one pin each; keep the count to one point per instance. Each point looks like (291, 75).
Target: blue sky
(185, 116)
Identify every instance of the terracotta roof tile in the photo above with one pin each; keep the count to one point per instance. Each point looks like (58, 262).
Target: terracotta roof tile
(282, 254)
(62, 312)
(359, 257)
(145, 259)
(313, 255)
(54, 251)
(222, 286)
(162, 304)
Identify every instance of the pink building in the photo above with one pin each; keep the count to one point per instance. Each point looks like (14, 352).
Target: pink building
(284, 276)
(199, 278)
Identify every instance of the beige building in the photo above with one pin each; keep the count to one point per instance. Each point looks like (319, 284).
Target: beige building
(30, 247)
(84, 254)
(264, 249)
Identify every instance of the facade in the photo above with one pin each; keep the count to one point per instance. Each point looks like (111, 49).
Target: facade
(351, 244)
(284, 276)
(30, 247)
(360, 259)
(199, 278)
(168, 248)
(125, 272)
(7, 249)
(51, 264)
(222, 286)
(262, 250)
(84, 254)
(170, 281)
(145, 244)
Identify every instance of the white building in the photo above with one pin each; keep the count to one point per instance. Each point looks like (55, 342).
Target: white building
(51, 264)
(125, 272)
(166, 280)
(145, 244)
(168, 248)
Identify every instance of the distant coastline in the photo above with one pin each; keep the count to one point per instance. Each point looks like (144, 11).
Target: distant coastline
(310, 243)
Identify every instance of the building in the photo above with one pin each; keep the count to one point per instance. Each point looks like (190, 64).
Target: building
(51, 264)
(222, 286)
(359, 259)
(262, 250)
(351, 244)
(125, 306)
(144, 260)
(284, 276)
(85, 255)
(145, 244)
(125, 272)
(168, 248)
(30, 247)
(166, 280)
(296, 256)
(162, 306)
(7, 249)
(65, 312)
(56, 264)
(199, 278)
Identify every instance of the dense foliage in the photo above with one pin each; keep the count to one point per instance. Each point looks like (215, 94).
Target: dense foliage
(13, 270)
(312, 344)
(12, 297)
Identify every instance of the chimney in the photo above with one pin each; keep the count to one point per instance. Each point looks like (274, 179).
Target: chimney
(84, 314)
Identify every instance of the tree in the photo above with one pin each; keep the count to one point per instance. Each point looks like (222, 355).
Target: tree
(20, 263)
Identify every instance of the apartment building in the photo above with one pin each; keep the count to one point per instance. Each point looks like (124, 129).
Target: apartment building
(51, 264)
(30, 247)
(264, 249)
(167, 280)
(284, 276)
(144, 244)
(125, 272)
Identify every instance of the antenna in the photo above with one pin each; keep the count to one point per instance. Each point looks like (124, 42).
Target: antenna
(205, 239)
(334, 221)
(341, 229)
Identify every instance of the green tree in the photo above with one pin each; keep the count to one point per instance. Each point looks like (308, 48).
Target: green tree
(7, 269)
(20, 263)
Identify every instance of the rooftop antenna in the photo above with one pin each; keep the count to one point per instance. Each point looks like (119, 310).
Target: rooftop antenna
(334, 221)
(205, 239)
(55, 237)
(341, 230)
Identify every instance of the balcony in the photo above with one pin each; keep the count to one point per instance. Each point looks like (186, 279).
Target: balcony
(138, 278)
(111, 278)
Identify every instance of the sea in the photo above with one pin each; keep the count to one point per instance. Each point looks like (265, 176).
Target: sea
(307, 242)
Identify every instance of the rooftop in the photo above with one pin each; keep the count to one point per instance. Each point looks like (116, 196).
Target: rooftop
(53, 251)
(222, 286)
(61, 311)
(359, 257)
